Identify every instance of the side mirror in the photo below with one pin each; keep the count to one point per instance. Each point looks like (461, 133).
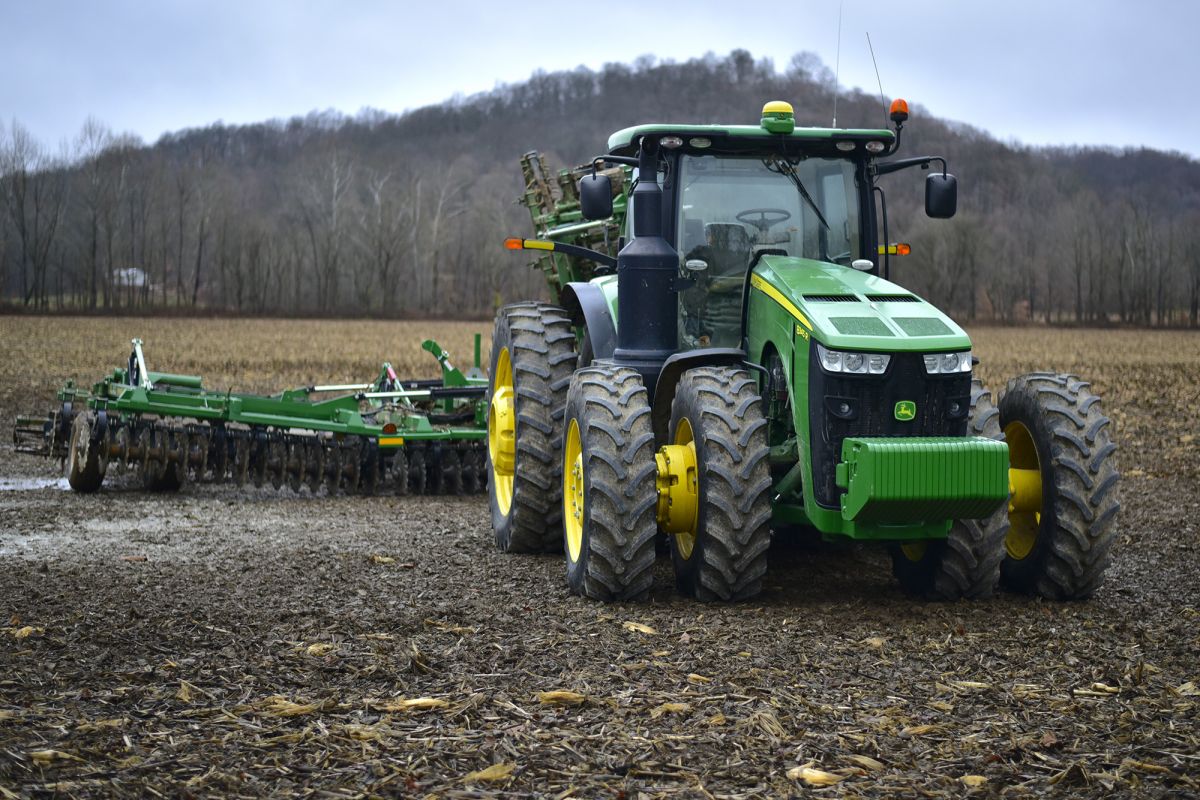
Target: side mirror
(941, 195)
(595, 197)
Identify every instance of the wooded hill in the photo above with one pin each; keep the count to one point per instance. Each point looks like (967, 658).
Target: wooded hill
(403, 215)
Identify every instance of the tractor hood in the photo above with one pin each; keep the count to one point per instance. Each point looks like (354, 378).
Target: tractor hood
(850, 310)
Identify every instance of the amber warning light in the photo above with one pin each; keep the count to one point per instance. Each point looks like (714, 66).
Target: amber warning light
(899, 112)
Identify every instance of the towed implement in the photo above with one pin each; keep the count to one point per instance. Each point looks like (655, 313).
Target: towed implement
(725, 360)
(389, 434)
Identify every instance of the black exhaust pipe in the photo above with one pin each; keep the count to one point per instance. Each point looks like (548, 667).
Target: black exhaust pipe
(648, 305)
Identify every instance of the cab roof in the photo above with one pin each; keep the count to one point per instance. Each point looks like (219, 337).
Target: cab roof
(623, 142)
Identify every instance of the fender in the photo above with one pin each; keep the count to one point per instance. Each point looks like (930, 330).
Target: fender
(673, 369)
(586, 305)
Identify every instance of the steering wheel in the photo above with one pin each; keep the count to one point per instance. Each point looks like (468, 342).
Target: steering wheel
(767, 217)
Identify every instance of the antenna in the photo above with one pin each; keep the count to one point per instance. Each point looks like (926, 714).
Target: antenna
(837, 68)
(877, 79)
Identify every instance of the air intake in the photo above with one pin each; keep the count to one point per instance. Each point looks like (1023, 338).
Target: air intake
(831, 298)
(893, 298)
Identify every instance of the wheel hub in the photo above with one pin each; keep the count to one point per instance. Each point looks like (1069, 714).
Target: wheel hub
(1025, 488)
(573, 492)
(678, 490)
(502, 432)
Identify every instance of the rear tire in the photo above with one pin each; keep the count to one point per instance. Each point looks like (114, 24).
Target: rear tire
(966, 564)
(726, 557)
(609, 491)
(533, 345)
(1057, 418)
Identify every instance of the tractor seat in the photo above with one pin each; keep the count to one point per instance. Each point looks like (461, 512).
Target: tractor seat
(731, 248)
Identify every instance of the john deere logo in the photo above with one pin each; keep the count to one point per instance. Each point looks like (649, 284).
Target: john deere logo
(906, 410)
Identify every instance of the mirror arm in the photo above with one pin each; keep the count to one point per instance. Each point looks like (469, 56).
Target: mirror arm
(888, 167)
(611, 159)
(560, 247)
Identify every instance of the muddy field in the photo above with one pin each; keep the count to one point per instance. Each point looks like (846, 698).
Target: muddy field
(217, 643)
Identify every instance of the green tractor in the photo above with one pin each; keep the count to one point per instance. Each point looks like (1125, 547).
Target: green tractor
(726, 359)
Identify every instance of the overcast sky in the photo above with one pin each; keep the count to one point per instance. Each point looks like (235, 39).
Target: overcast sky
(1112, 72)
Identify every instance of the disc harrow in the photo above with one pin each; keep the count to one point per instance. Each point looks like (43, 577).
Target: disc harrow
(389, 436)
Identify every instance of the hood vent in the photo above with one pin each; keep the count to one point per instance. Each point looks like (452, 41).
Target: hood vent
(831, 298)
(893, 298)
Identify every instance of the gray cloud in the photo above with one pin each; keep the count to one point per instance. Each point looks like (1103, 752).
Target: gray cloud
(1095, 72)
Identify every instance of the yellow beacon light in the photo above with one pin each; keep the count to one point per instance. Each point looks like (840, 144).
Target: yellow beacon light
(778, 117)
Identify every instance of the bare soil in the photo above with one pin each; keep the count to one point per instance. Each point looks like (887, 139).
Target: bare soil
(218, 642)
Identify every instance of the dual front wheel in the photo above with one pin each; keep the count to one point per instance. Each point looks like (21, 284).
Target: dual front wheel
(1053, 537)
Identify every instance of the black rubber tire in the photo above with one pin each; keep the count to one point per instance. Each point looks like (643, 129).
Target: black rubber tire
(616, 557)
(85, 466)
(966, 564)
(729, 557)
(541, 346)
(1079, 486)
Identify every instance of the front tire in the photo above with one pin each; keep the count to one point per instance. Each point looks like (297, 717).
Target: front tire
(717, 416)
(533, 356)
(608, 489)
(1061, 536)
(966, 564)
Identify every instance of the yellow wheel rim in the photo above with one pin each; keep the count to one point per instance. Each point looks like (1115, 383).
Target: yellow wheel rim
(502, 432)
(914, 551)
(1025, 487)
(573, 492)
(678, 489)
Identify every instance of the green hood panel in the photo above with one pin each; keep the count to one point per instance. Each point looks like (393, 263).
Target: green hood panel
(852, 310)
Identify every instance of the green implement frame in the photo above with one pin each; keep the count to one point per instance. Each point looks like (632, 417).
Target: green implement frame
(409, 435)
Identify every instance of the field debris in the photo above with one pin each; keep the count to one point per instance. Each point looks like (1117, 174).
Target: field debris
(260, 651)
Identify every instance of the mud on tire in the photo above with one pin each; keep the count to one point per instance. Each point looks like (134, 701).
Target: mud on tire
(610, 409)
(540, 342)
(966, 564)
(1062, 419)
(728, 557)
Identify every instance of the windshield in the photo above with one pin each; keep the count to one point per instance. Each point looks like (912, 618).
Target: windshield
(731, 208)
(736, 206)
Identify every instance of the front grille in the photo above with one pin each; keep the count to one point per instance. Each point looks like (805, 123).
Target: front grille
(872, 400)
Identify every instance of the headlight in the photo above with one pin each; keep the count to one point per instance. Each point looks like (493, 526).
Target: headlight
(853, 363)
(947, 363)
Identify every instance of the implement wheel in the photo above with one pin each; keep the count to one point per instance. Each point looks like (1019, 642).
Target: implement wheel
(714, 485)
(608, 496)
(1064, 485)
(533, 356)
(966, 564)
(87, 460)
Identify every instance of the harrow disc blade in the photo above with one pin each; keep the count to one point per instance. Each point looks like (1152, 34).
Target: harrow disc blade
(296, 450)
(399, 472)
(314, 464)
(416, 472)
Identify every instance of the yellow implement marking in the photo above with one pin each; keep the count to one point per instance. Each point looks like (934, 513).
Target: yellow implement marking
(538, 244)
(758, 282)
(390, 441)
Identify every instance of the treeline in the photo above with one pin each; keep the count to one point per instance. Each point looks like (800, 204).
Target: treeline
(403, 215)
